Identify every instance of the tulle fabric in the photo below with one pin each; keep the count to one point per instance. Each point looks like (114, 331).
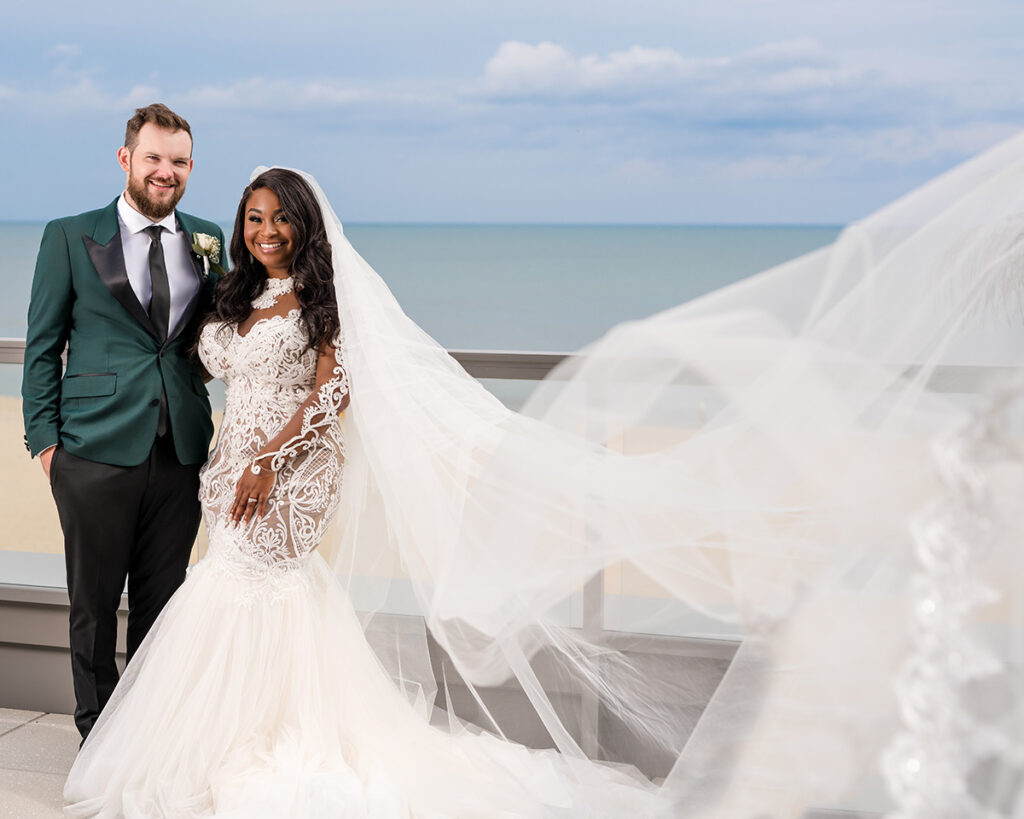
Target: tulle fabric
(234, 709)
(753, 457)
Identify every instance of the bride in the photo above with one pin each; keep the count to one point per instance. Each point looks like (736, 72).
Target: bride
(750, 458)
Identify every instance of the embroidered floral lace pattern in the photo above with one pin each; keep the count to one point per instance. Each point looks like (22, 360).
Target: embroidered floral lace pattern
(270, 375)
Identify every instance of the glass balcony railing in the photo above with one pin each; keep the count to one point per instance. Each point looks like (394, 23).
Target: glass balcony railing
(31, 553)
(618, 600)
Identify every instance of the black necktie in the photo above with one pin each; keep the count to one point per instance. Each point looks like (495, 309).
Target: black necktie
(160, 305)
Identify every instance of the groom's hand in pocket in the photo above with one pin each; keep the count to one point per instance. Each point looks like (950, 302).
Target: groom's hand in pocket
(44, 459)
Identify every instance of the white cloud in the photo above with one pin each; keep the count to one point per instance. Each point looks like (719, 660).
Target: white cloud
(139, 96)
(65, 63)
(81, 94)
(259, 94)
(520, 68)
(804, 50)
(63, 51)
(82, 91)
(777, 110)
(520, 71)
(76, 93)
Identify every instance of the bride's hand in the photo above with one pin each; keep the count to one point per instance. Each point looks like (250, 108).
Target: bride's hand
(251, 495)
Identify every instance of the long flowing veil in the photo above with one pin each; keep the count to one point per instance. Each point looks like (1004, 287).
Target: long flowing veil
(748, 463)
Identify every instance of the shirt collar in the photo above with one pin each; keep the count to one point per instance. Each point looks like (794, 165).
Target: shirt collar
(136, 222)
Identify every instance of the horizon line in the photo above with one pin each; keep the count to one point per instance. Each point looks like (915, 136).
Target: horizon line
(462, 223)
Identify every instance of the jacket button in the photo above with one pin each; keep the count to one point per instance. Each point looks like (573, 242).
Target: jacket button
(155, 402)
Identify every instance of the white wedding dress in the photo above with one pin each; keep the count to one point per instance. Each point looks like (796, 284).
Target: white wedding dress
(256, 693)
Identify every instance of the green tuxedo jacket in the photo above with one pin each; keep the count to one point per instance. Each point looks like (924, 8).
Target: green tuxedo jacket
(106, 406)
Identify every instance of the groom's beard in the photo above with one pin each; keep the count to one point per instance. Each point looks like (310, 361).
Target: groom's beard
(149, 207)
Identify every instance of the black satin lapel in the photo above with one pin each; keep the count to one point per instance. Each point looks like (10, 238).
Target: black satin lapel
(190, 310)
(108, 260)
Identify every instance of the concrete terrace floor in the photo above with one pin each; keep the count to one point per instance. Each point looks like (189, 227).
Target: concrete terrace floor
(38, 749)
(36, 752)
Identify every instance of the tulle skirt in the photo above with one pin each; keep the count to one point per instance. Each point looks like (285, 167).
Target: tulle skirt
(257, 695)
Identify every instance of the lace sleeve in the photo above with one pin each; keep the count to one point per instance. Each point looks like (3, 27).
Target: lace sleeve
(316, 414)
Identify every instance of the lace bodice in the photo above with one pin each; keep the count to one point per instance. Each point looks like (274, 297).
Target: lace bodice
(275, 353)
(270, 374)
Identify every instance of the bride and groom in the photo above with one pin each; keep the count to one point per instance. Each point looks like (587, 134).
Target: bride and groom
(250, 688)
(261, 690)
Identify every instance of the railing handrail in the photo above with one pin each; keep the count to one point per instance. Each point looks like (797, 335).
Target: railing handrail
(534, 366)
(514, 364)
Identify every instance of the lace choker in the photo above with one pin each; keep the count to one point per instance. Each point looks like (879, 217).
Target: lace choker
(272, 291)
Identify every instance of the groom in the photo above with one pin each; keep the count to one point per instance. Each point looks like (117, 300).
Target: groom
(122, 434)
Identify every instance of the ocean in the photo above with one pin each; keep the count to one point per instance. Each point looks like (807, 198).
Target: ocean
(513, 287)
(517, 287)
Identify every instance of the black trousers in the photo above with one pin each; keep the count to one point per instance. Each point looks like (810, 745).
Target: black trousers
(120, 522)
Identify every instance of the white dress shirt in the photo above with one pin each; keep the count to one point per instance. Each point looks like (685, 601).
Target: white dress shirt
(177, 245)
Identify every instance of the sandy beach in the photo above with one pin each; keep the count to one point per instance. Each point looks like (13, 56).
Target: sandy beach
(30, 515)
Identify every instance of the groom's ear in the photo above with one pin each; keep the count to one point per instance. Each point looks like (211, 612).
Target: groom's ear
(123, 157)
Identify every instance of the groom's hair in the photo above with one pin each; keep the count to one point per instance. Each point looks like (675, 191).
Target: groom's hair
(158, 114)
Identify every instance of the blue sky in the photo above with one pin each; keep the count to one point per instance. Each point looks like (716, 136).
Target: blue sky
(574, 111)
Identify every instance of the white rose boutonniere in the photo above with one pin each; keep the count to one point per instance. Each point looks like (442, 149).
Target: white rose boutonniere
(207, 247)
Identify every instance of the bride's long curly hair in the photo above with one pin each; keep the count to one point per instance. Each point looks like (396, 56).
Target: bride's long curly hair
(311, 267)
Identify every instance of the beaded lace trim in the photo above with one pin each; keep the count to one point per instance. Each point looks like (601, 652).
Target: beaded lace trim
(936, 766)
(272, 291)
